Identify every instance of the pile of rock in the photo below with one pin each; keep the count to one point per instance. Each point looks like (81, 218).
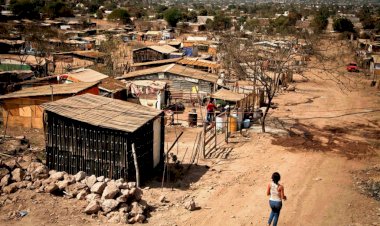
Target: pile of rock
(118, 200)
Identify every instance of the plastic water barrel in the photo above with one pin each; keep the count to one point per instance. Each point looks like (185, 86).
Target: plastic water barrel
(232, 122)
(247, 123)
(219, 123)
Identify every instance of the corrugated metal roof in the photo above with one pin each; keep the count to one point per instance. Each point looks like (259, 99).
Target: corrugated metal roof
(228, 95)
(103, 112)
(87, 75)
(60, 89)
(199, 62)
(174, 69)
(112, 85)
(166, 61)
(166, 49)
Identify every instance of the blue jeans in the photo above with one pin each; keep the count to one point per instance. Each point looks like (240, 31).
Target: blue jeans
(275, 214)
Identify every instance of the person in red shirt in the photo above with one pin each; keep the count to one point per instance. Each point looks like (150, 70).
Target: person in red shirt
(210, 111)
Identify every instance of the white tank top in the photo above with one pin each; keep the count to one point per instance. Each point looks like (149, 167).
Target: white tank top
(274, 194)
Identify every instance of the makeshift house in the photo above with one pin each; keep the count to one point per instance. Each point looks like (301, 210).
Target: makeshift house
(152, 53)
(7, 45)
(113, 88)
(21, 108)
(150, 64)
(375, 65)
(85, 75)
(103, 137)
(9, 62)
(8, 80)
(204, 65)
(184, 83)
(148, 93)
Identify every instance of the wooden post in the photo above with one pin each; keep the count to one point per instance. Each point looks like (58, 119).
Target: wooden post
(204, 139)
(136, 165)
(6, 125)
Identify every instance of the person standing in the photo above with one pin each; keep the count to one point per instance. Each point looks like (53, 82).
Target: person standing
(276, 193)
(210, 110)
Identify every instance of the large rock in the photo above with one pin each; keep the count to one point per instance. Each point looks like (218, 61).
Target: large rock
(57, 176)
(74, 189)
(5, 180)
(122, 198)
(69, 178)
(10, 188)
(18, 175)
(21, 184)
(136, 193)
(110, 191)
(90, 181)
(136, 209)
(3, 171)
(98, 187)
(131, 185)
(80, 176)
(92, 197)
(109, 204)
(38, 170)
(93, 207)
(82, 194)
(51, 188)
(100, 179)
(62, 185)
(114, 217)
(139, 218)
(190, 205)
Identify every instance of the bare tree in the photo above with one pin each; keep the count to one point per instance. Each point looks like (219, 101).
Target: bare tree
(268, 65)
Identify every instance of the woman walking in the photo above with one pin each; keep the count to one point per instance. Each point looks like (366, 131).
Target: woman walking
(276, 193)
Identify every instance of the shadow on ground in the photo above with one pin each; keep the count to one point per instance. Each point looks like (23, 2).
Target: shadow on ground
(179, 176)
(354, 141)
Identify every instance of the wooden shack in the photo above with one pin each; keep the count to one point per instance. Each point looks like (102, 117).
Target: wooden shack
(98, 135)
(184, 83)
(22, 108)
(152, 53)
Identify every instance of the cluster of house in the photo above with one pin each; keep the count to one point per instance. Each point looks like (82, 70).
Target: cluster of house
(368, 53)
(89, 116)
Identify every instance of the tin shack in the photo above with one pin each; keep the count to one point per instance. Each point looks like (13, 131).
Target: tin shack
(98, 135)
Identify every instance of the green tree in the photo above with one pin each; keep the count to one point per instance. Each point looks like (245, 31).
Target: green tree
(58, 9)
(26, 8)
(99, 14)
(120, 15)
(251, 24)
(343, 25)
(320, 21)
(203, 12)
(192, 16)
(172, 16)
(220, 22)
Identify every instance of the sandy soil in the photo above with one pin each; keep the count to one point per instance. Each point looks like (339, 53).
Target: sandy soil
(318, 136)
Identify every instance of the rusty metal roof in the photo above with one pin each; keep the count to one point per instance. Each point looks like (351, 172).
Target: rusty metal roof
(103, 112)
(199, 62)
(86, 75)
(166, 61)
(228, 95)
(60, 89)
(174, 69)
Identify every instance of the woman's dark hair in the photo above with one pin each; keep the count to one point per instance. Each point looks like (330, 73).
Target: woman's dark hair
(276, 177)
